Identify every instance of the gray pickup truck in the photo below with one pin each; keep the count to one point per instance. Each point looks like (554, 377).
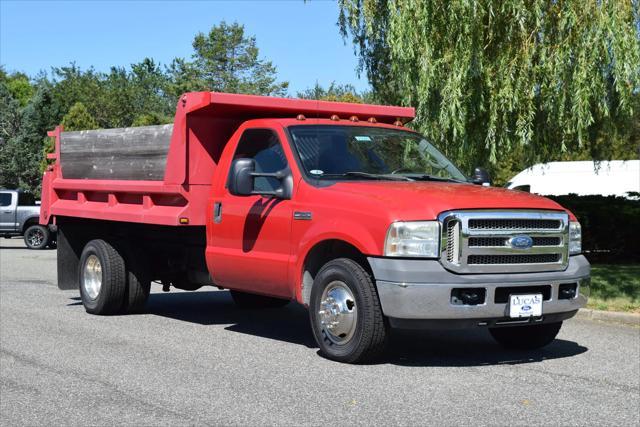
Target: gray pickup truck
(19, 216)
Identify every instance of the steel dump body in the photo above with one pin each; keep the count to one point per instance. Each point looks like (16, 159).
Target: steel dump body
(163, 174)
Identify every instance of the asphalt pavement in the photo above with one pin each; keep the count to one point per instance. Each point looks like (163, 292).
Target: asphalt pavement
(193, 358)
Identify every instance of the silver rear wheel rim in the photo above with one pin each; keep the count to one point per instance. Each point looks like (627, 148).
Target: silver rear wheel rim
(338, 314)
(92, 277)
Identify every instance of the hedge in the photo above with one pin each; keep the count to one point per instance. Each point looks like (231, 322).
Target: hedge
(610, 227)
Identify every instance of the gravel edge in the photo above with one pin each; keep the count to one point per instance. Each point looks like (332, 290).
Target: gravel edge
(609, 316)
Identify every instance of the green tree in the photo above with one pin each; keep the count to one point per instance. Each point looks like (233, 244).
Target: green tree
(532, 79)
(10, 114)
(19, 86)
(335, 92)
(71, 84)
(152, 119)
(150, 85)
(117, 98)
(78, 118)
(21, 153)
(226, 60)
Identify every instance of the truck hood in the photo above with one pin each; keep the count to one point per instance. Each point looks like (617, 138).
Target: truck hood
(425, 200)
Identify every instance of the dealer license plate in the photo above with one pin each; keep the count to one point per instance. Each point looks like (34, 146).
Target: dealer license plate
(525, 305)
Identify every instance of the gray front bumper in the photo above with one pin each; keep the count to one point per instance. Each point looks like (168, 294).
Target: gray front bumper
(421, 289)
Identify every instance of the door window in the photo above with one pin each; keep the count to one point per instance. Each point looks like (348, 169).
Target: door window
(263, 146)
(5, 199)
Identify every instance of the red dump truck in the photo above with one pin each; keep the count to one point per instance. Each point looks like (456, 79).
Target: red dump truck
(337, 206)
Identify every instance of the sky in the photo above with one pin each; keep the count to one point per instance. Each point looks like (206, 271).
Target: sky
(300, 38)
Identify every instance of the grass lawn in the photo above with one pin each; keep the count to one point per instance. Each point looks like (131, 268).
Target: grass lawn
(615, 287)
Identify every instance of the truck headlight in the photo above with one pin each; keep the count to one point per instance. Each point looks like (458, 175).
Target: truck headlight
(575, 238)
(413, 239)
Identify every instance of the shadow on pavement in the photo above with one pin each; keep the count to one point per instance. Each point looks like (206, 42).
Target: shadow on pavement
(289, 324)
(473, 347)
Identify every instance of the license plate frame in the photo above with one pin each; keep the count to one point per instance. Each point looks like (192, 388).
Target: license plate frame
(525, 305)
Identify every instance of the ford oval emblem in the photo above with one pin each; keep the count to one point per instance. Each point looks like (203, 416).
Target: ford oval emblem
(521, 242)
(526, 307)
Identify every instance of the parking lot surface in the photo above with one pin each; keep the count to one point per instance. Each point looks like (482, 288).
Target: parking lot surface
(193, 358)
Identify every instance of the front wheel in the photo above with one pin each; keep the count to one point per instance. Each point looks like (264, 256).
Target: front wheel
(345, 313)
(36, 237)
(527, 337)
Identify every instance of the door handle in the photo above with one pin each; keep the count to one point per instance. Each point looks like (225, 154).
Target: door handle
(217, 212)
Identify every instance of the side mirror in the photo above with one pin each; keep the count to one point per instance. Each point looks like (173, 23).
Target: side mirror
(481, 177)
(242, 180)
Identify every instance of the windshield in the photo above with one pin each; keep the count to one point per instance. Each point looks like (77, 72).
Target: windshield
(357, 152)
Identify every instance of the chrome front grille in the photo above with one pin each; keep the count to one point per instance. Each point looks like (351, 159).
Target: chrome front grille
(512, 259)
(453, 240)
(513, 224)
(481, 241)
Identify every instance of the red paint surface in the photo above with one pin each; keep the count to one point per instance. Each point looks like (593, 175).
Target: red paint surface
(258, 246)
(203, 124)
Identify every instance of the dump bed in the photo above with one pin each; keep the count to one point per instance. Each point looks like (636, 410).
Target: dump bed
(163, 174)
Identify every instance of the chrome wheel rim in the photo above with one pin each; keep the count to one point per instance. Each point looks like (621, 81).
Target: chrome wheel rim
(338, 314)
(35, 237)
(92, 280)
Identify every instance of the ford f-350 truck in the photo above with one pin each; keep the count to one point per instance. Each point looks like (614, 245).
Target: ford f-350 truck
(337, 206)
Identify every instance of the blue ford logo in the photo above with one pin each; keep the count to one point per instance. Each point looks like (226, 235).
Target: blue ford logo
(521, 242)
(526, 307)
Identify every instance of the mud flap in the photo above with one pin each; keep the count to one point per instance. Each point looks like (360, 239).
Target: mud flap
(68, 259)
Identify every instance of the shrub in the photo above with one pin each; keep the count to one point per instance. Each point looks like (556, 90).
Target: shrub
(610, 226)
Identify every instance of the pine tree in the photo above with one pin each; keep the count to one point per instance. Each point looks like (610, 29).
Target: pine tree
(226, 60)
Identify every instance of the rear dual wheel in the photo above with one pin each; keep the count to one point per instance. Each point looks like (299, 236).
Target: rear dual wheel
(108, 283)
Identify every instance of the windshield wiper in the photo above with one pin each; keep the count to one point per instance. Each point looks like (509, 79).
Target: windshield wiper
(376, 176)
(426, 177)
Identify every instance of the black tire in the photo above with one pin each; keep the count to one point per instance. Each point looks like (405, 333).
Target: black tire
(527, 337)
(110, 296)
(369, 337)
(138, 283)
(36, 236)
(247, 300)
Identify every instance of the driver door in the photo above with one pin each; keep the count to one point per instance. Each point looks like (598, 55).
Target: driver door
(250, 240)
